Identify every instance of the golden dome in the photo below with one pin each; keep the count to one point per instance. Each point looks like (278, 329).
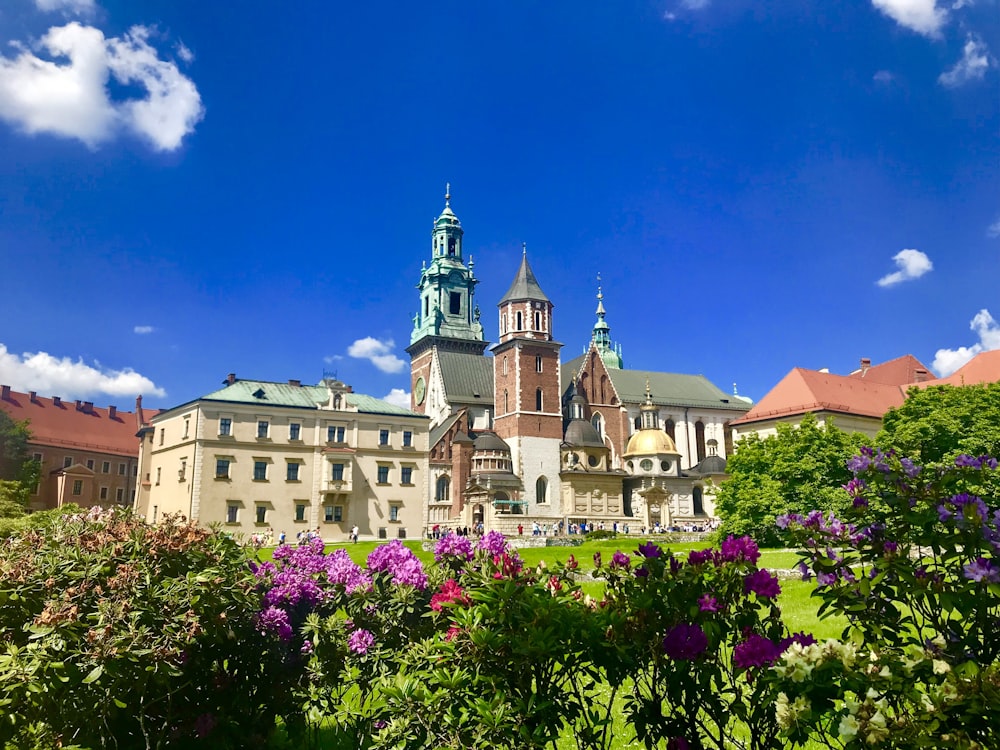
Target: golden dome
(649, 443)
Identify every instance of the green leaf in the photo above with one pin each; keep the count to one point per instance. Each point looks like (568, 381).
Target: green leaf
(95, 674)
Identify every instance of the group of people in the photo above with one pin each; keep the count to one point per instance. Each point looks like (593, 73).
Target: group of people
(437, 531)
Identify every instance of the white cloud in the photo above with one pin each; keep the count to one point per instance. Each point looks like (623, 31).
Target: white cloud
(184, 53)
(68, 96)
(74, 7)
(143, 329)
(922, 16)
(398, 397)
(883, 76)
(912, 264)
(332, 358)
(946, 361)
(976, 60)
(378, 352)
(42, 372)
(993, 230)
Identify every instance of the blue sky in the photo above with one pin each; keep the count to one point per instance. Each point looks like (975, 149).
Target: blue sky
(189, 189)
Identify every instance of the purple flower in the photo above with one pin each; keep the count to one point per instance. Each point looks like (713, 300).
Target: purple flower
(398, 560)
(755, 651)
(858, 464)
(494, 543)
(620, 560)
(340, 568)
(763, 584)
(982, 569)
(274, 620)
(642, 572)
(855, 487)
(307, 647)
(650, 549)
(685, 641)
(967, 460)
(826, 579)
(698, 557)
(736, 550)
(803, 639)
(889, 548)
(708, 603)
(909, 468)
(805, 571)
(597, 559)
(451, 545)
(290, 587)
(360, 641)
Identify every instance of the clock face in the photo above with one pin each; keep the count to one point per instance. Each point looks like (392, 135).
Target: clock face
(420, 390)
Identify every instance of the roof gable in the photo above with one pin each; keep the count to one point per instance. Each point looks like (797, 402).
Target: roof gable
(900, 371)
(983, 368)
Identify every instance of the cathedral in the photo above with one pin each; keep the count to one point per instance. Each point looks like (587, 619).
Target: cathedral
(518, 437)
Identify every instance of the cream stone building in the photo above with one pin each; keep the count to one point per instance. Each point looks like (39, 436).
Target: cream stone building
(259, 457)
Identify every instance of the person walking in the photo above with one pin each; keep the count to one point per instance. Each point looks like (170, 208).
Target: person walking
(354, 534)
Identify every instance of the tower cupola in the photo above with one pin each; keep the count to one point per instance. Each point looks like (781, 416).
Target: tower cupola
(601, 336)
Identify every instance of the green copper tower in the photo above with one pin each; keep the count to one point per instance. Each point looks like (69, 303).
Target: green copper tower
(447, 286)
(601, 336)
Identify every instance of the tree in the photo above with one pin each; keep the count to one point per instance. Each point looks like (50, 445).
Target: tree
(800, 468)
(938, 423)
(19, 472)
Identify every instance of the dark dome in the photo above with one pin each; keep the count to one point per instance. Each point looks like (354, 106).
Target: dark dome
(582, 433)
(489, 441)
(711, 465)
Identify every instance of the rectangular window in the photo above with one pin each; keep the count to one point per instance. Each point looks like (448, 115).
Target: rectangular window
(338, 473)
(158, 474)
(104, 493)
(106, 467)
(293, 431)
(260, 470)
(263, 427)
(187, 428)
(383, 475)
(292, 472)
(225, 426)
(77, 486)
(121, 470)
(393, 512)
(67, 462)
(261, 514)
(383, 437)
(232, 513)
(300, 512)
(328, 513)
(338, 513)
(37, 457)
(90, 464)
(406, 475)
(455, 303)
(407, 438)
(163, 434)
(120, 495)
(222, 468)
(538, 364)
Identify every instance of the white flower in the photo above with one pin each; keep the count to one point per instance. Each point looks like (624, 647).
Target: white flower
(941, 666)
(848, 728)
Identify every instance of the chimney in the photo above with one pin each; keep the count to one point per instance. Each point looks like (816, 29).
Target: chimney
(31, 396)
(230, 379)
(4, 392)
(138, 403)
(920, 375)
(295, 383)
(79, 405)
(112, 412)
(56, 401)
(866, 363)
(88, 407)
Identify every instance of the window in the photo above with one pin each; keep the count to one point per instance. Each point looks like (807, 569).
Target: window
(338, 473)
(393, 512)
(263, 427)
(90, 464)
(293, 431)
(455, 303)
(225, 426)
(106, 467)
(261, 514)
(406, 475)
(538, 399)
(520, 320)
(697, 502)
(538, 364)
(183, 469)
(646, 464)
(338, 513)
(505, 365)
(158, 474)
(37, 457)
(77, 486)
(542, 490)
(451, 246)
(334, 434)
(328, 513)
(104, 493)
(699, 439)
(300, 511)
(538, 323)
(260, 471)
(187, 428)
(120, 495)
(383, 475)
(121, 470)
(292, 474)
(442, 490)
(232, 513)
(163, 434)
(222, 468)
(407, 438)
(67, 462)
(383, 437)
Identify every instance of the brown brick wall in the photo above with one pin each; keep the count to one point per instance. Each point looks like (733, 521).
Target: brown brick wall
(420, 366)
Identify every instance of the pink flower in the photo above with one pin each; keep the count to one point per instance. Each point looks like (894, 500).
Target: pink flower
(360, 641)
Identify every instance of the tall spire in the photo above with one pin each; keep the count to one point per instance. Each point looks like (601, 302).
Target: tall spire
(601, 336)
(447, 195)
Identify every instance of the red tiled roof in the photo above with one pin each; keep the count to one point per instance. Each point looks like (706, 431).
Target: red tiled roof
(900, 371)
(983, 368)
(802, 391)
(73, 424)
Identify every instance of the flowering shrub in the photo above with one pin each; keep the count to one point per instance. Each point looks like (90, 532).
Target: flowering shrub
(694, 635)
(913, 565)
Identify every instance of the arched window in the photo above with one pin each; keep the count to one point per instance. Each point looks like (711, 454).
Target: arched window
(637, 423)
(696, 501)
(441, 490)
(538, 321)
(505, 365)
(598, 423)
(542, 490)
(538, 399)
(520, 322)
(336, 401)
(670, 428)
(713, 447)
(604, 385)
(699, 438)
(505, 406)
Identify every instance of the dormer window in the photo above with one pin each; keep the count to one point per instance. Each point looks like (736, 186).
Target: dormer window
(259, 393)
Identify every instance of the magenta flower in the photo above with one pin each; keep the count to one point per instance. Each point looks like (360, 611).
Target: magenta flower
(708, 603)
(620, 560)
(755, 651)
(340, 568)
(451, 545)
(982, 569)
(597, 559)
(763, 584)
(494, 543)
(650, 549)
(360, 641)
(684, 641)
(743, 549)
(400, 562)
(274, 620)
(698, 557)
